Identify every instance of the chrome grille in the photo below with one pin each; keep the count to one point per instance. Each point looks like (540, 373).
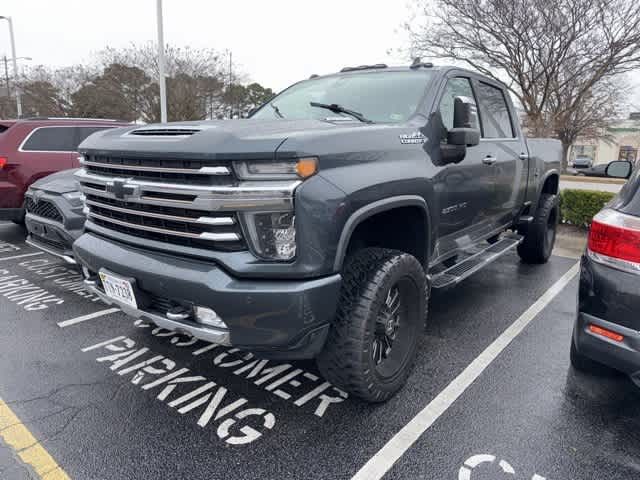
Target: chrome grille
(190, 203)
(195, 172)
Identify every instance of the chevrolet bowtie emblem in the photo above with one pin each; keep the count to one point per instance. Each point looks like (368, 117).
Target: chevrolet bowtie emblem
(121, 190)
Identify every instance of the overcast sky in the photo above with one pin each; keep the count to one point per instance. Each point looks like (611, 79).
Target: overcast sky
(275, 42)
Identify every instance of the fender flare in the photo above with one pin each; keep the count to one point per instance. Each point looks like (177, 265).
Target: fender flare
(360, 215)
(543, 180)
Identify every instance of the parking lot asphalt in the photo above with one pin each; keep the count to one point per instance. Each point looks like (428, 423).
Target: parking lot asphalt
(109, 397)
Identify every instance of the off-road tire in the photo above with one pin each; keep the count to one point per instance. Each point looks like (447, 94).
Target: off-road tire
(347, 358)
(541, 235)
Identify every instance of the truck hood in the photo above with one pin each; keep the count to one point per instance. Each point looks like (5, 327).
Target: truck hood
(60, 182)
(216, 140)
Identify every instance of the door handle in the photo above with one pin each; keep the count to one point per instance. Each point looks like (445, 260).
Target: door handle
(489, 160)
(523, 156)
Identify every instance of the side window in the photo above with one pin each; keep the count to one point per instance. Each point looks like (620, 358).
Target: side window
(51, 139)
(496, 121)
(456, 87)
(84, 132)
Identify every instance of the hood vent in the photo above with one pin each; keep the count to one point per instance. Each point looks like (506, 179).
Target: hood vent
(165, 132)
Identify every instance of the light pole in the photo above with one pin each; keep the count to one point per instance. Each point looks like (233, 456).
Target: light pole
(161, 80)
(15, 65)
(5, 60)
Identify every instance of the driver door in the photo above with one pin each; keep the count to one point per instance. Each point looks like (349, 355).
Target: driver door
(464, 189)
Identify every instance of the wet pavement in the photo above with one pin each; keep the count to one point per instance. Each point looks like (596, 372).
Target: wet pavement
(112, 398)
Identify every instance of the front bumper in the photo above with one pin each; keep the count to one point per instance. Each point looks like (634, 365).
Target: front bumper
(53, 236)
(273, 318)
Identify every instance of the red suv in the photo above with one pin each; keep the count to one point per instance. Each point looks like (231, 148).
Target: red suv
(34, 148)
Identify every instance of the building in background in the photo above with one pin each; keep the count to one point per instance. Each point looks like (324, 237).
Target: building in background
(621, 141)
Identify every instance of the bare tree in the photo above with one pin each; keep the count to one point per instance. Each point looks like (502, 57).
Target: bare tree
(195, 78)
(551, 53)
(243, 99)
(590, 118)
(122, 84)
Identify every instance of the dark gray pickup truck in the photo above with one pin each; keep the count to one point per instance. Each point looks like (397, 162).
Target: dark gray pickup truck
(318, 227)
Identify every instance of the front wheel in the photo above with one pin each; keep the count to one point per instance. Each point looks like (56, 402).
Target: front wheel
(373, 340)
(541, 235)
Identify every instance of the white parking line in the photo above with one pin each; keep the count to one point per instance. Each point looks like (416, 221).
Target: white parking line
(21, 256)
(382, 461)
(90, 316)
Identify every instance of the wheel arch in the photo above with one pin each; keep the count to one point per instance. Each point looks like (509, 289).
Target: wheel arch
(550, 183)
(374, 210)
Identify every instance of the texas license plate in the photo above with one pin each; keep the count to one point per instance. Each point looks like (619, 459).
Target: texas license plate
(118, 288)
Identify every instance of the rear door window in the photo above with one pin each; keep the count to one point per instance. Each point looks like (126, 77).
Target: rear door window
(496, 121)
(51, 139)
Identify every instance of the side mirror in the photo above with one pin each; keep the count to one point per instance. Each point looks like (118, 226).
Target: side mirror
(465, 123)
(619, 169)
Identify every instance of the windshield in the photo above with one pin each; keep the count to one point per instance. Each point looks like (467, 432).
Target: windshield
(382, 97)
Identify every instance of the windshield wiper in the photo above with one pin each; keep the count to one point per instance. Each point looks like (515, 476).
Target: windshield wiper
(340, 109)
(276, 109)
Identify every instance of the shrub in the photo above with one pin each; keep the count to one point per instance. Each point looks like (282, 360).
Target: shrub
(578, 207)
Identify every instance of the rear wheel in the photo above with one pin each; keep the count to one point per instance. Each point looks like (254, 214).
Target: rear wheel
(372, 342)
(541, 235)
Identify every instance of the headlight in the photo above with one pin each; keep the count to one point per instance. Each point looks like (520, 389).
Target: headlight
(272, 235)
(276, 170)
(73, 195)
(75, 198)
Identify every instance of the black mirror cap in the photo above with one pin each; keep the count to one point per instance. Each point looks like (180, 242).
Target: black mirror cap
(469, 137)
(619, 169)
(465, 113)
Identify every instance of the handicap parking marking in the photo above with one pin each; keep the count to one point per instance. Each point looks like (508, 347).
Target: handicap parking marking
(475, 461)
(384, 459)
(84, 318)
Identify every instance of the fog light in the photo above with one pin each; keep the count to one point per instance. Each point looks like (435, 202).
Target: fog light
(207, 316)
(273, 235)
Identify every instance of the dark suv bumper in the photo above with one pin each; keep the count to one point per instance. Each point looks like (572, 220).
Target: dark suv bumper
(623, 356)
(609, 298)
(274, 318)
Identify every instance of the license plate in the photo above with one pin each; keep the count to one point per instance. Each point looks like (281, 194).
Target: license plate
(118, 288)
